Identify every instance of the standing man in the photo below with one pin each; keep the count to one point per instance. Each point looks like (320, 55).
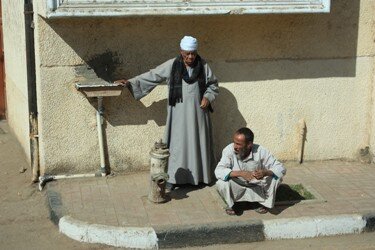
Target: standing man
(248, 172)
(192, 87)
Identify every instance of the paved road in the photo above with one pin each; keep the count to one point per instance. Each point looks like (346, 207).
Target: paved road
(358, 242)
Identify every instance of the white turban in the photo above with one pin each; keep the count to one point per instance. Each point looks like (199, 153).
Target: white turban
(189, 43)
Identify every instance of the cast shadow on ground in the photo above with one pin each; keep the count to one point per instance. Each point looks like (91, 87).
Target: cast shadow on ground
(286, 197)
(241, 207)
(182, 191)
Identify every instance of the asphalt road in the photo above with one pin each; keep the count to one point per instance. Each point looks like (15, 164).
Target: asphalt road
(342, 242)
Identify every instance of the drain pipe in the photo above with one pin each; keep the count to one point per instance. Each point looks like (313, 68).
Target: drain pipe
(102, 172)
(99, 125)
(31, 89)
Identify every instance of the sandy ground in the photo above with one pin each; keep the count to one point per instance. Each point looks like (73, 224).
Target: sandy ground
(24, 217)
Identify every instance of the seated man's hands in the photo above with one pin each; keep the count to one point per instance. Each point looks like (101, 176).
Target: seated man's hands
(261, 173)
(247, 175)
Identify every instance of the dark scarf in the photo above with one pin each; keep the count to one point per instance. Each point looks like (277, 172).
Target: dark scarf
(179, 72)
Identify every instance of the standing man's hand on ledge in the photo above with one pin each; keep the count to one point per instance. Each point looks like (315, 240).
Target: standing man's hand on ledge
(123, 82)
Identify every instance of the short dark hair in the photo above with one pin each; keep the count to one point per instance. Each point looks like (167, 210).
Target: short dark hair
(249, 135)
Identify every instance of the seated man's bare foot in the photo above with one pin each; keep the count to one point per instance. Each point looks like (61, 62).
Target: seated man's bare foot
(261, 210)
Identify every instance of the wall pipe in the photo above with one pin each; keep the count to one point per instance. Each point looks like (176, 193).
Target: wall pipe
(102, 172)
(302, 130)
(46, 178)
(31, 89)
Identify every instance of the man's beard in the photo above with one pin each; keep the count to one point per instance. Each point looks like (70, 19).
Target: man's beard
(243, 153)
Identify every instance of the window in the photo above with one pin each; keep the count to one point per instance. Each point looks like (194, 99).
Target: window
(96, 8)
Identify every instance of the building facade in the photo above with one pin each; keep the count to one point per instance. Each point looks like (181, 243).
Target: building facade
(286, 72)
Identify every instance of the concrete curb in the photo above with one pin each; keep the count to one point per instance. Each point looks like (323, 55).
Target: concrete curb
(130, 237)
(56, 209)
(370, 222)
(206, 234)
(209, 234)
(309, 227)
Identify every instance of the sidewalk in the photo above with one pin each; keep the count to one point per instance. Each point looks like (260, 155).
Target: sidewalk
(345, 194)
(114, 210)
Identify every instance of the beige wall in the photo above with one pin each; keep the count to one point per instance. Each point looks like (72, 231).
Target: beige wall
(274, 70)
(15, 71)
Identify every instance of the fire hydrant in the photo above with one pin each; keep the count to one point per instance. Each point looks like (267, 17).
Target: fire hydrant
(158, 172)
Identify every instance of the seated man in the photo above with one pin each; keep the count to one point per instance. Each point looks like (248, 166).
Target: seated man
(248, 172)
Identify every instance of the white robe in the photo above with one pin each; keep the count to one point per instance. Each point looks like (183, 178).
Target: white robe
(188, 130)
(263, 191)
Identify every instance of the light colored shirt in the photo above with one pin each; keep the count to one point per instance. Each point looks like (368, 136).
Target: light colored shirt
(259, 158)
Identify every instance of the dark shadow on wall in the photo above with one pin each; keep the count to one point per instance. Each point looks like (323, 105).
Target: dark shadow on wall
(285, 69)
(296, 46)
(226, 119)
(125, 110)
(238, 47)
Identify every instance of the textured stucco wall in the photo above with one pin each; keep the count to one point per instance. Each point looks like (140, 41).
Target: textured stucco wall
(274, 70)
(15, 71)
